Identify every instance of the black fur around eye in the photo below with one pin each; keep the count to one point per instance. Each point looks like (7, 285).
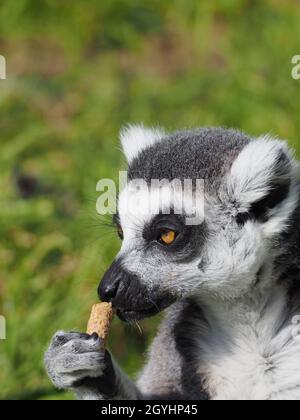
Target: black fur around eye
(164, 229)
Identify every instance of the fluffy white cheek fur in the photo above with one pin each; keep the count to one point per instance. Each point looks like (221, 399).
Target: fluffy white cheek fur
(232, 260)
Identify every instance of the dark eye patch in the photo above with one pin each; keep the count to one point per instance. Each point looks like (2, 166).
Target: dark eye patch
(163, 222)
(189, 240)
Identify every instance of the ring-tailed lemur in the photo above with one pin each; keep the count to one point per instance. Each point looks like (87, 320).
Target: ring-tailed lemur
(231, 284)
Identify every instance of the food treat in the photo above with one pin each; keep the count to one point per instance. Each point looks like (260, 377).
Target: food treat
(100, 320)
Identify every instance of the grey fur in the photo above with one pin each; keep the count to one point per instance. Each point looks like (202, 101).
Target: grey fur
(206, 153)
(234, 279)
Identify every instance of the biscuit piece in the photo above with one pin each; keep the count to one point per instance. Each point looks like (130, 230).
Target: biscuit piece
(100, 319)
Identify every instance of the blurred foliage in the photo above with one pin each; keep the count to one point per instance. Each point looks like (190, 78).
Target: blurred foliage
(76, 71)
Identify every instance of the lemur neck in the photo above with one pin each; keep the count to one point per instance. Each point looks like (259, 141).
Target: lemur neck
(245, 308)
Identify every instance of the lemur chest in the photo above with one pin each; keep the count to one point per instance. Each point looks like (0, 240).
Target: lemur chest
(256, 359)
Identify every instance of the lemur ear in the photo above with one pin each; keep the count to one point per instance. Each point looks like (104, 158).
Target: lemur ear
(136, 138)
(262, 180)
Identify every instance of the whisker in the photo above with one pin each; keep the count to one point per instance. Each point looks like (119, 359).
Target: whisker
(154, 303)
(139, 327)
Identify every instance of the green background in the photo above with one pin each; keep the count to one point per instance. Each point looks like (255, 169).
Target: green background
(77, 71)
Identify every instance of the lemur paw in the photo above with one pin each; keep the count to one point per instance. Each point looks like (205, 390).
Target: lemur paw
(73, 357)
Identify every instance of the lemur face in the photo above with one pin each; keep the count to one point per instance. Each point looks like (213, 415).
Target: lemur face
(219, 240)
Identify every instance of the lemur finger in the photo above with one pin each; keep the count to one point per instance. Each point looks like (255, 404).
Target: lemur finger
(62, 337)
(76, 346)
(84, 365)
(86, 341)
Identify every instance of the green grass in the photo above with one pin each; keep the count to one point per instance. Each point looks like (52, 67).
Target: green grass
(75, 73)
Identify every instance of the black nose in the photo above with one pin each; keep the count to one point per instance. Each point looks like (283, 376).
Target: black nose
(109, 291)
(110, 283)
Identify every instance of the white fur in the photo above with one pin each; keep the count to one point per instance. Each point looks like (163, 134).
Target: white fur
(232, 260)
(244, 357)
(252, 171)
(136, 138)
(251, 174)
(139, 203)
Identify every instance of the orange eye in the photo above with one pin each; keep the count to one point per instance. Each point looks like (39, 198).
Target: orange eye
(120, 232)
(167, 237)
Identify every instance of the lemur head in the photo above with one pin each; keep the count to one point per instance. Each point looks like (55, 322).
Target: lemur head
(226, 231)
